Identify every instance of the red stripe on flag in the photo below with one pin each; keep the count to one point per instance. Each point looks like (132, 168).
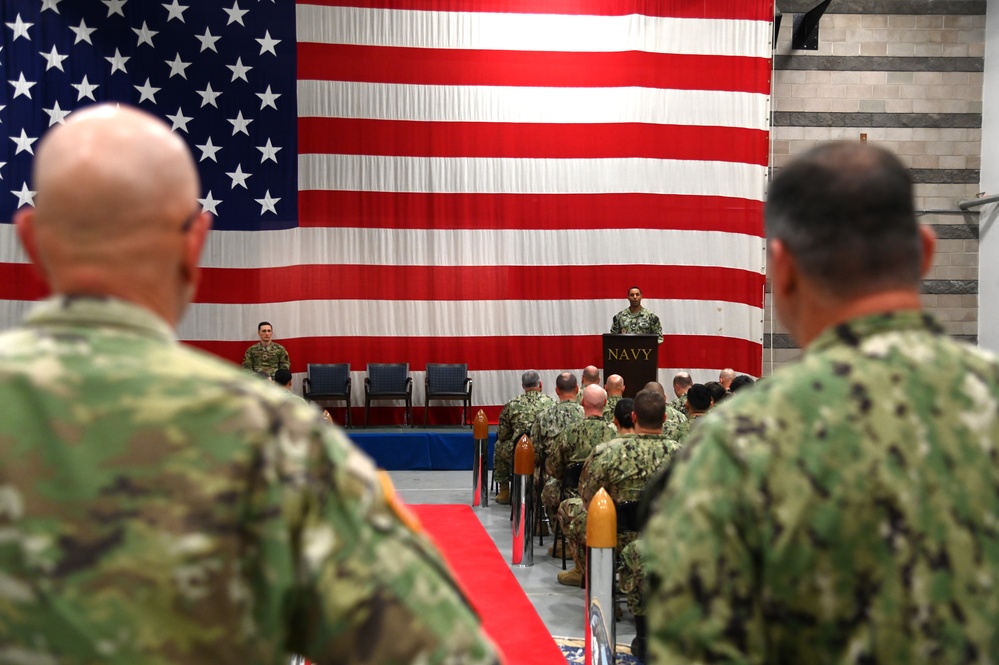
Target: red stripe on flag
(353, 136)
(21, 281)
(499, 353)
(450, 283)
(710, 9)
(418, 210)
(426, 66)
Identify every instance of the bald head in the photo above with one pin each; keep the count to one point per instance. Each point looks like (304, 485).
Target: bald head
(116, 210)
(682, 383)
(591, 374)
(725, 377)
(594, 400)
(614, 385)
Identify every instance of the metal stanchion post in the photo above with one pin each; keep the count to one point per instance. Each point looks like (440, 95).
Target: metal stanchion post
(523, 502)
(480, 460)
(601, 542)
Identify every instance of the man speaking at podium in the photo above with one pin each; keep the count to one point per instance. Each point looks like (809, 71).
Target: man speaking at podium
(636, 320)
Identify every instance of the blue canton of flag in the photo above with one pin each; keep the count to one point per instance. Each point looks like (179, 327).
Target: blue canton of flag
(222, 74)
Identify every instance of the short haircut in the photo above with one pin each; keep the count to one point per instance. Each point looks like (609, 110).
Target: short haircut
(716, 389)
(264, 323)
(699, 397)
(634, 288)
(622, 411)
(650, 408)
(282, 377)
(683, 380)
(740, 382)
(844, 211)
(530, 379)
(592, 375)
(566, 382)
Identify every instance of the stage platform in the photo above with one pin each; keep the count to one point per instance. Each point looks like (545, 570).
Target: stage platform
(416, 449)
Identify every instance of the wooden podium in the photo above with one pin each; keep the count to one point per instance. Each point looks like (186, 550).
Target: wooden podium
(634, 357)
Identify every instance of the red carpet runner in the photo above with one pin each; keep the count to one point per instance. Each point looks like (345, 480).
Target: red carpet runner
(507, 614)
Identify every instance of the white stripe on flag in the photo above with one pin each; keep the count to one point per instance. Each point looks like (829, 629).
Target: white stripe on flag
(482, 247)
(442, 103)
(490, 318)
(371, 173)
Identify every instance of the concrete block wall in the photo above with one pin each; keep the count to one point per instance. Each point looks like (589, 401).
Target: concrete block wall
(907, 74)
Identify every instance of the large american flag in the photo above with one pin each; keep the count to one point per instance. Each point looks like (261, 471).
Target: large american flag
(419, 181)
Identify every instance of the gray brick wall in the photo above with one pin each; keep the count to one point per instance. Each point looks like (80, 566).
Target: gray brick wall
(908, 75)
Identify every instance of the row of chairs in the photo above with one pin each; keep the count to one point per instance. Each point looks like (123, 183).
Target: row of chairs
(389, 381)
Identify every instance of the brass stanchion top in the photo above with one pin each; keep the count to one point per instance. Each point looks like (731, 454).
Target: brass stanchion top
(523, 457)
(601, 521)
(480, 426)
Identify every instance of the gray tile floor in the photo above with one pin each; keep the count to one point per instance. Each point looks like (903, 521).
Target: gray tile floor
(560, 607)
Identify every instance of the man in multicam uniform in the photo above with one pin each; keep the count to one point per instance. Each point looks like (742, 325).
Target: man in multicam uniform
(573, 445)
(159, 505)
(621, 466)
(614, 386)
(515, 420)
(636, 320)
(266, 355)
(845, 509)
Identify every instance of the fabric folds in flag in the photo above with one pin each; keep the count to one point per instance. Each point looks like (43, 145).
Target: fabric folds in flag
(436, 180)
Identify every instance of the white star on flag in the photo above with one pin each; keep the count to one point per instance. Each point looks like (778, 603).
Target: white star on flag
(115, 6)
(25, 196)
(56, 114)
(20, 28)
(208, 41)
(236, 14)
(147, 92)
(267, 203)
(267, 44)
(178, 67)
(238, 177)
(50, 4)
(118, 62)
(23, 142)
(180, 120)
(176, 11)
(145, 35)
(22, 87)
(269, 152)
(239, 70)
(267, 98)
(53, 59)
(240, 124)
(85, 89)
(210, 204)
(82, 32)
(208, 96)
(208, 150)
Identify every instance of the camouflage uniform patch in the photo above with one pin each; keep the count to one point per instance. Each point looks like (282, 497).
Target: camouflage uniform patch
(612, 401)
(515, 420)
(260, 358)
(845, 510)
(642, 322)
(621, 466)
(573, 444)
(160, 506)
